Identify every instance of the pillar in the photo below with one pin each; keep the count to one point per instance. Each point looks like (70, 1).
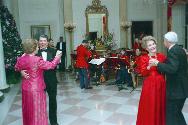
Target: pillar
(3, 83)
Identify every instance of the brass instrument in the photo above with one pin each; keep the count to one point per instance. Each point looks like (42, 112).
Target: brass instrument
(132, 65)
(131, 70)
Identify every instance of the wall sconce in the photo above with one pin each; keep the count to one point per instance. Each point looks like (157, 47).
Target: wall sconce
(69, 26)
(125, 24)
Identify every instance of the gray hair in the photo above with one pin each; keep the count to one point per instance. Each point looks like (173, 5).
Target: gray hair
(171, 37)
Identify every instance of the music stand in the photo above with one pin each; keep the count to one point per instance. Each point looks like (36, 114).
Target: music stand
(97, 62)
(136, 85)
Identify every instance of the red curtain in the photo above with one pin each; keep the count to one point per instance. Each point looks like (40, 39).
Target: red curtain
(104, 24)
(169, 13)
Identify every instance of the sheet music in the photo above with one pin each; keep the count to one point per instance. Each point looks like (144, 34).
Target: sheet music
(97, 61)
(113, 57)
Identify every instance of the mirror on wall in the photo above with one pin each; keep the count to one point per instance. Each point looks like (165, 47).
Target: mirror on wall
(96, 20)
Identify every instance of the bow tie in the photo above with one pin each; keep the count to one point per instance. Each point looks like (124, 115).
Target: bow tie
(43, 50)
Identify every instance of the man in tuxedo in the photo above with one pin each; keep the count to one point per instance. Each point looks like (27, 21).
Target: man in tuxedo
(175, 69)
(49, 77)
(61, 45)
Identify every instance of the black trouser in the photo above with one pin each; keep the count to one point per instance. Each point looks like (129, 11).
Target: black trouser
(62, 64)
(95, 69)
(174, 115)
(52, 92)
(123, 76)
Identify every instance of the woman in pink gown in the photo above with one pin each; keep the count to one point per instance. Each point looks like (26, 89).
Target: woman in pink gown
(152, 103)
(33, 94)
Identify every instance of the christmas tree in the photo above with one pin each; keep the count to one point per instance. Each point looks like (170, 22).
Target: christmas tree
(11, 38)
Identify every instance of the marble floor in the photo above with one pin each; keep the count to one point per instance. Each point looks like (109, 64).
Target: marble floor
(103, 105)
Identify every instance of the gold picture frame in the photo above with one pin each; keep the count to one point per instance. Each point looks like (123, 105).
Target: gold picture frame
(37, 30)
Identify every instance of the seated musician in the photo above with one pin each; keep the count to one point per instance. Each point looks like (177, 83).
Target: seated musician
(122, 75)
(108, 64)
(137, 44)
(137, 59)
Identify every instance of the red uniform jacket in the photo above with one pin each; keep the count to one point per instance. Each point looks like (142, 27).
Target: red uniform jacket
(137, 61)
(137, 45)
(82, 57)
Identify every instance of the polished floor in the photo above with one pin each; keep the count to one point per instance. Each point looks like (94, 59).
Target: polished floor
(103, 105)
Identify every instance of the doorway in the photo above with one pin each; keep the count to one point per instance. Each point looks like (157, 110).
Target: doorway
(186, 26)
(140, 29)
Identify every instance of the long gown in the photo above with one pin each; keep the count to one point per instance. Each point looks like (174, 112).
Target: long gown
(152, 103)
(33, 94)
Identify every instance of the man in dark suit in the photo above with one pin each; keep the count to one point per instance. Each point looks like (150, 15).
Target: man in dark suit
(175, 69)
(61, 45)
(49, 77)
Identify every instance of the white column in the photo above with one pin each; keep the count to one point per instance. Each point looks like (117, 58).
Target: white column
(68, 17)
(129, 38)
(3, 83)
(1, 96)
(68, 49)
(123, 17)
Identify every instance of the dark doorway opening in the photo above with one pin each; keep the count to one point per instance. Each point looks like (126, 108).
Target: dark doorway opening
(92, 35)
(140, 29)
(186, 27)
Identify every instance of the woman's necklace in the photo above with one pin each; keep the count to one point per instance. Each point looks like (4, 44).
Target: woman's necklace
(152, 55)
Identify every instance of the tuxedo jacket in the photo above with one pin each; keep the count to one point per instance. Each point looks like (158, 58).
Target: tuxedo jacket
(175, 69)
(50, 75)
(63, 49)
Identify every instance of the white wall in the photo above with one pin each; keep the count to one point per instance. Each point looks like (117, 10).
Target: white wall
(140, 10)
(178, 22)
(150, 10)
(79, 18)
(40, 12)
(12, 6)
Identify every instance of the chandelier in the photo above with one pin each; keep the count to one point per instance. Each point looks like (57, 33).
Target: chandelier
(69, 26)
(125, 24)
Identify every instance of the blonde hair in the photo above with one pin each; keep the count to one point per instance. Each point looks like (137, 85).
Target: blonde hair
(146, 39)
(29, 45)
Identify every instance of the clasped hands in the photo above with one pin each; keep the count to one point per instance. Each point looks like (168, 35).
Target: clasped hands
(152, 62)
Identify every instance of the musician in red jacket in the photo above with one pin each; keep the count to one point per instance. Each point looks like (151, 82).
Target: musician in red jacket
(137, 44)
(83, 54)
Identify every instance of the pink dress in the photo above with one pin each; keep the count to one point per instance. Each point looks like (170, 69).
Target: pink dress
(33, 94)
